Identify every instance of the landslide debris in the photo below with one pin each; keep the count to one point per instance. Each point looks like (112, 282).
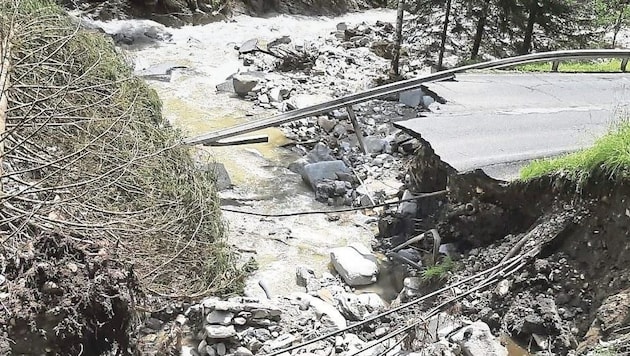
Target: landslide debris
(572, 294)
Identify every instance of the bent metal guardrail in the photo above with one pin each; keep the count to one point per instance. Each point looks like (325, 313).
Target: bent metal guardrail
(213, 138)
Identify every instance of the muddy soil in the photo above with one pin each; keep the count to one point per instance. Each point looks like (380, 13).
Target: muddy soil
(65, 296)
(573, 294)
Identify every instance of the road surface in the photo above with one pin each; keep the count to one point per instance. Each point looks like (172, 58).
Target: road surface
(499, 122)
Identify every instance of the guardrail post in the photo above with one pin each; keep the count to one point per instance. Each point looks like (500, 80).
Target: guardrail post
(357, 128)
(624, 64)
(554, 66)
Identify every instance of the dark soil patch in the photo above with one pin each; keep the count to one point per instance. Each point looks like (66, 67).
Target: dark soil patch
(65, 296)
(568, 297)
(557, 297)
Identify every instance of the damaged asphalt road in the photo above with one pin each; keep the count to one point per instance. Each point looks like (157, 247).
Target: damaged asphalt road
(499, 122)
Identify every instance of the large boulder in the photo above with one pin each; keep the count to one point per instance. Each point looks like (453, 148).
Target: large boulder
(477, 340)
(245, 82)
(314, 173)
(355, 264)
(319, 153)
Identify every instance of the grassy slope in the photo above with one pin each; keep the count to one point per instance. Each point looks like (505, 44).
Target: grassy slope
(610, 155)
(603, 66)
(107, 124)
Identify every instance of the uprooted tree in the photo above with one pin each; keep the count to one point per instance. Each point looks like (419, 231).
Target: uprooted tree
(93, 180)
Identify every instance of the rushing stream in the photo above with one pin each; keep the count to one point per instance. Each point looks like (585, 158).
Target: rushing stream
(257, 171)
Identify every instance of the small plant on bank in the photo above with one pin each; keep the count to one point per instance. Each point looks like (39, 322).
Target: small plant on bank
(440, 271)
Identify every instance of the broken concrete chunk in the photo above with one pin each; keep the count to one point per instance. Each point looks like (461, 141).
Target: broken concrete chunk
(411, 98)
(355, 264)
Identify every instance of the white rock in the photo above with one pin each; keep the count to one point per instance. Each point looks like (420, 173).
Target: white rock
(221, 349)
(220, 331)
(306, 100)
(374, 144)
(239, 321)
(203, 347)
(439, 327)
(355, 264)
(350, 306)
(408, 208)
(322, 308)
(372, 301)
(282, 341)
(503, 288)
(220, 317)
(427, 101)
(242, 351)
(477, 340)
(263, 98)
(187, 351)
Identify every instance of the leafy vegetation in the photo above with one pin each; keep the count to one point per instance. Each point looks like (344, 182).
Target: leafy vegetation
(602, 66)
(501, 28)
(439, 272)
(610, 155)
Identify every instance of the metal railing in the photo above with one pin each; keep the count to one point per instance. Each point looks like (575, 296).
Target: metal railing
(214, 138)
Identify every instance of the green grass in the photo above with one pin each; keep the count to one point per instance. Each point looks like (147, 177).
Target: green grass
(594, 66)
(439, 272)
(610, 155)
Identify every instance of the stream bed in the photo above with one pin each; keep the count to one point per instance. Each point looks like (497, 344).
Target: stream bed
(258, 171)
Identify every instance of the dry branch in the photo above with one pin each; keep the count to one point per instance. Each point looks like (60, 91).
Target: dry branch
(88, 156)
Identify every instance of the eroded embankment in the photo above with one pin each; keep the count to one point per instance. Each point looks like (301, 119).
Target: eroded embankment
(573, 291)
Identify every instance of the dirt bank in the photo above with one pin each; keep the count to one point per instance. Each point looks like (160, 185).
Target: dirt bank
(572, 292)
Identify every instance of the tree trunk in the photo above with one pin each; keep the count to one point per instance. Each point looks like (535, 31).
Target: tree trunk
(618, 24)
(444, 32)
(399, 25)
(529, 31)
(481, 24)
